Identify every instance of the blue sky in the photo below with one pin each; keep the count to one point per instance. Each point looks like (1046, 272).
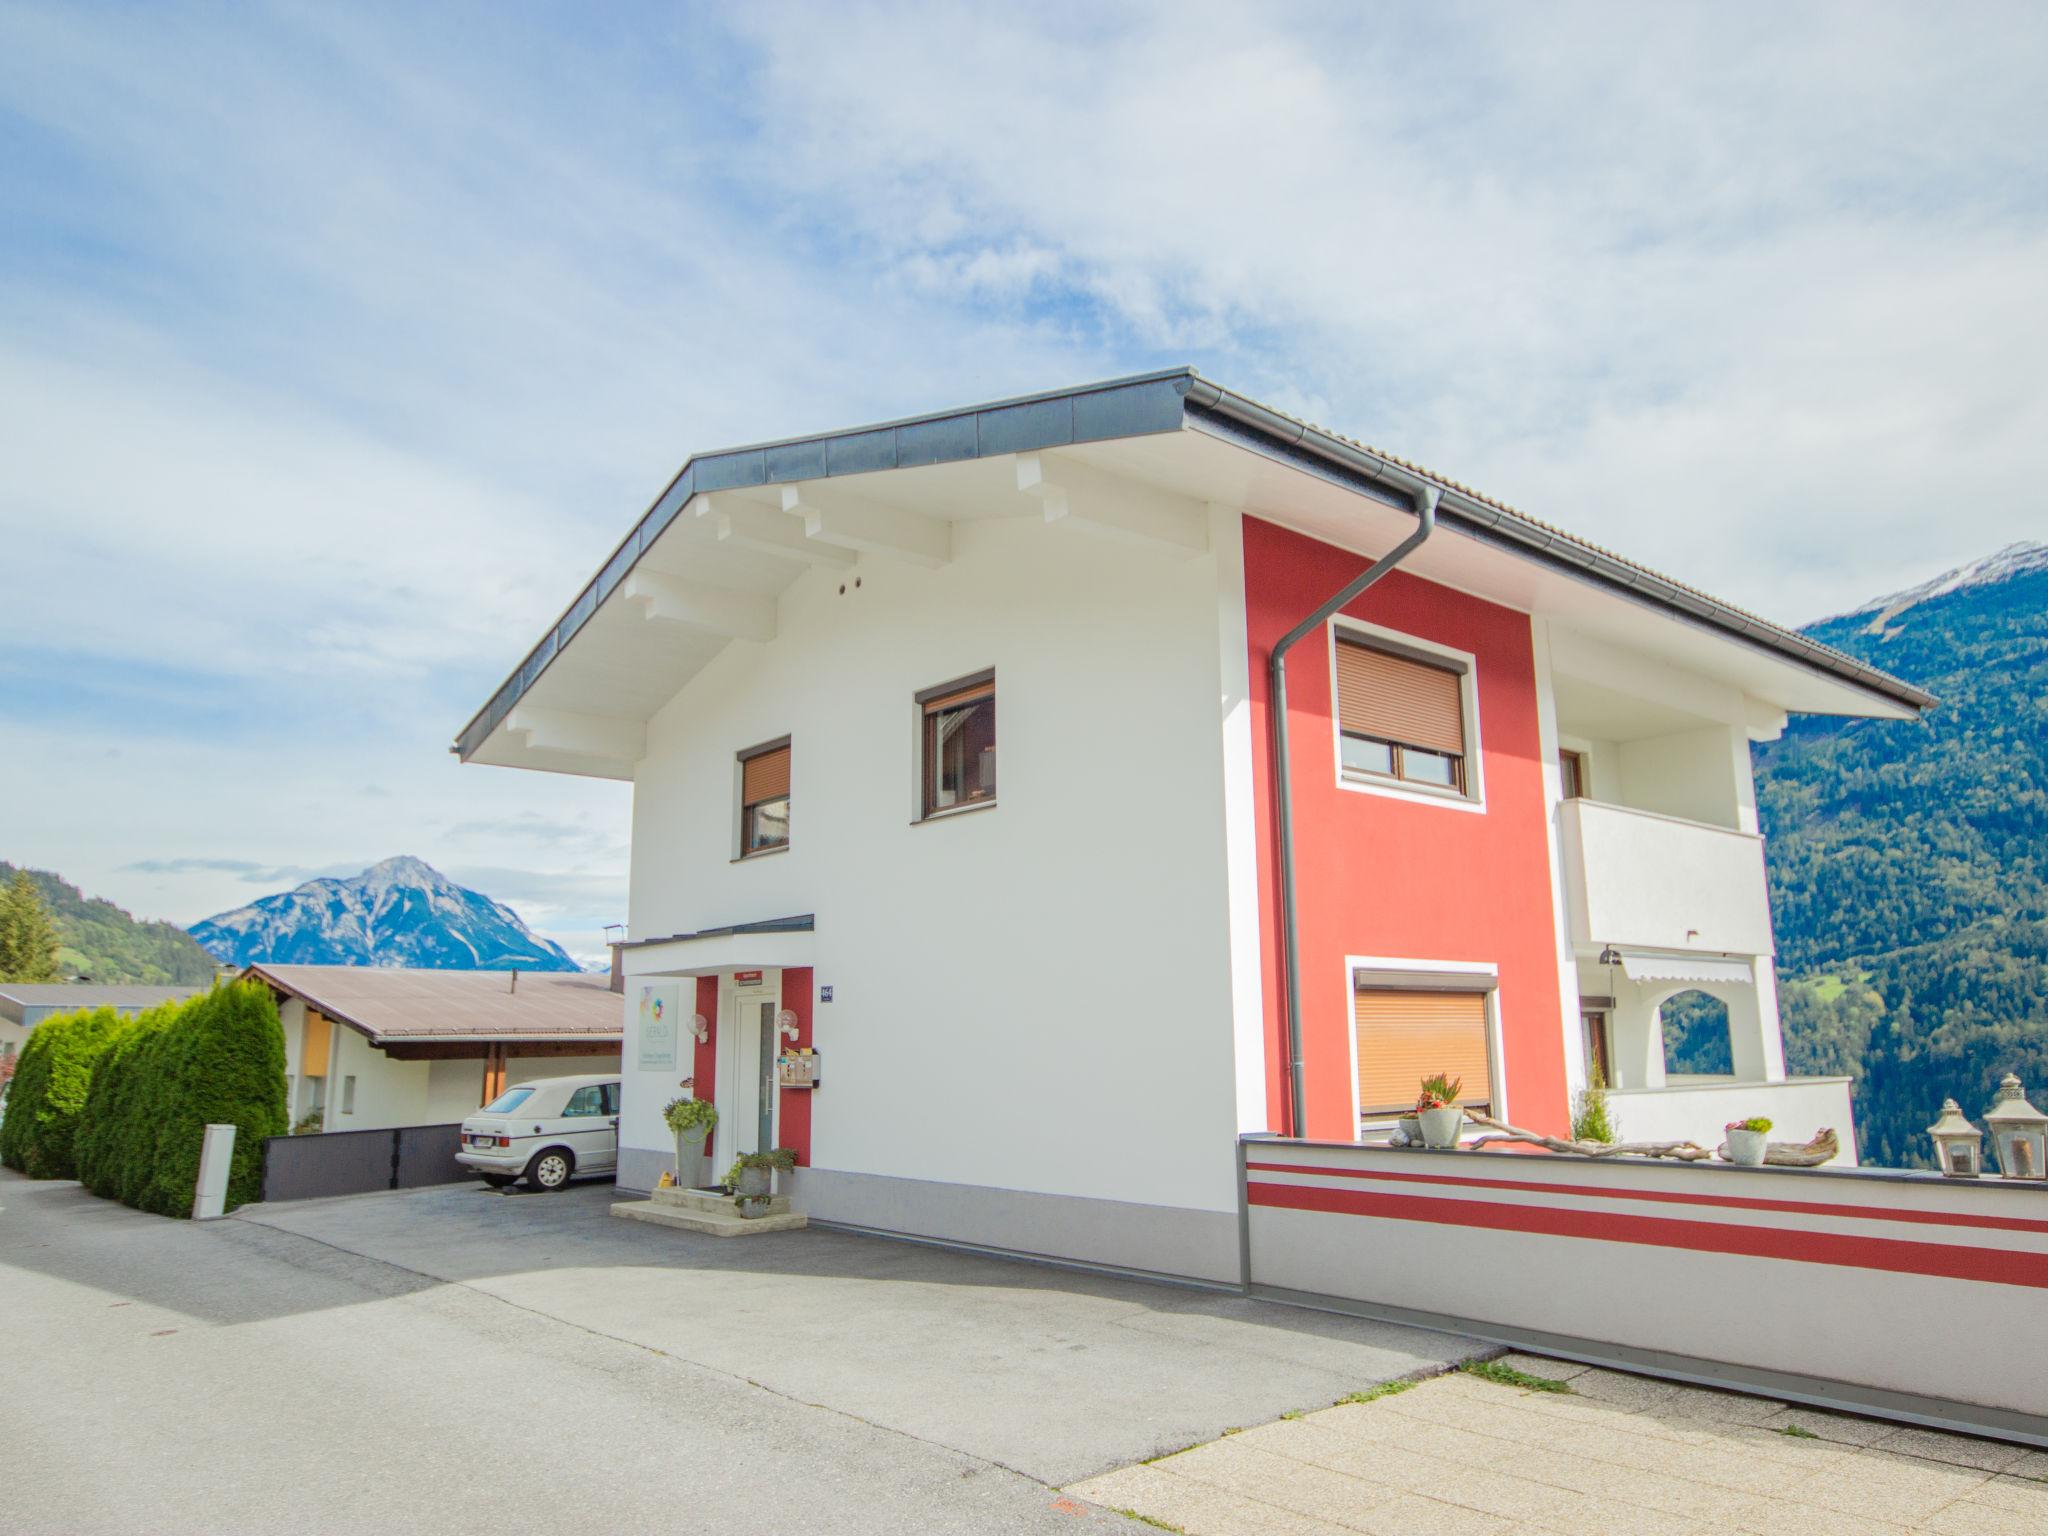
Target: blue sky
(338, 343)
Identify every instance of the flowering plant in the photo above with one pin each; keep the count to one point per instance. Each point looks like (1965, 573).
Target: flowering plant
(1755, 1123)
(1439, 1092)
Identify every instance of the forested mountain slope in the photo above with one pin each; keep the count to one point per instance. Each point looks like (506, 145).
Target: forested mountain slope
(101, 942)
(1909, 861)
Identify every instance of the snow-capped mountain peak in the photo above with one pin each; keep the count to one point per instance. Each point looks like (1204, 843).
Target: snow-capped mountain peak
(398, 912)
(2014, 560)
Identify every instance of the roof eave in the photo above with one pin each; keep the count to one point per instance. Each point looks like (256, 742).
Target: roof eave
(1144, 405)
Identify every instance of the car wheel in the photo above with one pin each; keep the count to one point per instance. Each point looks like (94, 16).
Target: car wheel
(497, 1180)
(551, 1169)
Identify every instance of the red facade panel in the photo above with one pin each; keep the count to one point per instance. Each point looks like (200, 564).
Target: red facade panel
(1389, 877)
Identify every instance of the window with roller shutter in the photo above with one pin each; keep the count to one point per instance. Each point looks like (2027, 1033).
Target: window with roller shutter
(1401, 716)
(764, 798)
(1404, 1036)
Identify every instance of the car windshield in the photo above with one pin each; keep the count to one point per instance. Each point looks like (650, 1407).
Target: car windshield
(508, 1101)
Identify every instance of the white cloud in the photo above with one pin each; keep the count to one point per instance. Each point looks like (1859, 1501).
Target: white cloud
(336, 348)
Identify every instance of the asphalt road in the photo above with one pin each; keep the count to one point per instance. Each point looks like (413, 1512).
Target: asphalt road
(454, 1359)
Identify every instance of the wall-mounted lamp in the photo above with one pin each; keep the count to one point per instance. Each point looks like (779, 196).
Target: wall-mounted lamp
(786, 1024)
(700, 1027)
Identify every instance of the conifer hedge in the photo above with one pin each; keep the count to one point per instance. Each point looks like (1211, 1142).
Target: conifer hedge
(161, 1078)
(48, 1093)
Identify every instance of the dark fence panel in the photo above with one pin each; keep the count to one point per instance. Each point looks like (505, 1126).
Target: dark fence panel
(357, 1162)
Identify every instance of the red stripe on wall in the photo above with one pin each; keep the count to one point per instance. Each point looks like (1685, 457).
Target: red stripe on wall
(795, 1118)
(704, 1065)
(1848, 1252)
(1665, 1196)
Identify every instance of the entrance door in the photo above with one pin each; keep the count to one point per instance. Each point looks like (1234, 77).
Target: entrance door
(746, 1069)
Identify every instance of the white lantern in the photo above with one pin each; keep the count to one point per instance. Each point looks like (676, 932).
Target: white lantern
(2019, 1132)
(1958, 1144)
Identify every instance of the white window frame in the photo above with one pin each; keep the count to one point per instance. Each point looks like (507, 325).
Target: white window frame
(1396, 974)
(1473, 796)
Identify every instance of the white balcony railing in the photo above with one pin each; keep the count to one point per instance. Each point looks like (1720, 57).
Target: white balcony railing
(1638, 879)
(1696, 1109)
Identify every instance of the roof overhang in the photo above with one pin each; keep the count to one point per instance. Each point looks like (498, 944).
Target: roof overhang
(777, 944)
(1133, 459)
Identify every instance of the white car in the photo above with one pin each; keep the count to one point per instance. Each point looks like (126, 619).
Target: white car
(548, 1132)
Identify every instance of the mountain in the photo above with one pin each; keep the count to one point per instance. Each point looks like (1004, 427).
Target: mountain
(397, 913)
(1909, 860)
(100, 942)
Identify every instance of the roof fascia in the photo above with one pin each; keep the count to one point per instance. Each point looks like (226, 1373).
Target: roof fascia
(1246, 423)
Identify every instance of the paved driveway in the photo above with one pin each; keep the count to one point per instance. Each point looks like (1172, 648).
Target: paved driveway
(454, 1358)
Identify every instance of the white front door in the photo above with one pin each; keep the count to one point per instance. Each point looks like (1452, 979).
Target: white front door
(746, 1070)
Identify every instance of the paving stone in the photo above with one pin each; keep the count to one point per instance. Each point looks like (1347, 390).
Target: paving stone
(1411, 1515)
(1900, 1488)
(1779, 1517)
(2021, 1495)
(1966, 1517)
(1957, 1450)
(1591, 1515)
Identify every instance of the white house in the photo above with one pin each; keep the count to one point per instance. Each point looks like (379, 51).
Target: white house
(1034, 1008)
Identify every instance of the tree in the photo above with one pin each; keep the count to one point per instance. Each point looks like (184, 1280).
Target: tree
(28, 939)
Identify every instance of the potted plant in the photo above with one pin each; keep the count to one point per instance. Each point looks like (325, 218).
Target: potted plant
(1747, 1141)
(691, 1120)
(1437, 1110)
(752, 1178)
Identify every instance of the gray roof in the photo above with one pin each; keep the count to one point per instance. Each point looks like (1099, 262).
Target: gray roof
(1140, 406)
(18, 998)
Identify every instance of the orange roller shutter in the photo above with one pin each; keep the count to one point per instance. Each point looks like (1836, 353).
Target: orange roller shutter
(1404, 1037)
(765, 777)
(1398, 699)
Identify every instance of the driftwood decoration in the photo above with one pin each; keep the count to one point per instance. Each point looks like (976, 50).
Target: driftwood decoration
(1783, 1154)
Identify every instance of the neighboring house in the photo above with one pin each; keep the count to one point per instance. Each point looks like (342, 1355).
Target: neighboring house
(1045, 1003)
(24, 1005)
(376, 1046)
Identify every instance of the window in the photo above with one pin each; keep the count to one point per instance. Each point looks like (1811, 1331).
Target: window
(959, 744)
(348, 1095)
(611, 1098)
(588, 1100)
(505, 1102)
(764, 798)
(1401, 717)
(1571, 772)
(1406, 1036)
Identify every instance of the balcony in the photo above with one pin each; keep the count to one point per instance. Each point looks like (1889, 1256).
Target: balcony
(1695, 1108)
(1643, 880)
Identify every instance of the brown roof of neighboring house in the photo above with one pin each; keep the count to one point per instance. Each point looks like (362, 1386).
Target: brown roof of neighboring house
(390, 1003)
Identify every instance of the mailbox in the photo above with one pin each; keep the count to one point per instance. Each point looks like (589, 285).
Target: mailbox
(797, 1069)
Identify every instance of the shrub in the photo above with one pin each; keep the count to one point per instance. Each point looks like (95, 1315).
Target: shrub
(49, 1091)
(219, 1061)
(1591, 1118)
(105, 1143)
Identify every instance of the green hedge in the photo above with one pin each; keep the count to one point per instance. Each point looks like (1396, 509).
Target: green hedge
(161, 1079)
(51, 1082)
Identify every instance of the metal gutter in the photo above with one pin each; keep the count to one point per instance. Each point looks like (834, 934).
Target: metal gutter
(1143, 405)
(1426, 498)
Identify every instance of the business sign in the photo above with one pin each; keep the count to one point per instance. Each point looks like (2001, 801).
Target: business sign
(661, 1020)
(746, 978)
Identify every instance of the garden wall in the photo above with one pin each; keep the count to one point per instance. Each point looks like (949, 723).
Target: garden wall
(1908, 1296)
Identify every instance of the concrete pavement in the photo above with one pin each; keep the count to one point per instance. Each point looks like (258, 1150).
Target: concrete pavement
(452, 1358)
